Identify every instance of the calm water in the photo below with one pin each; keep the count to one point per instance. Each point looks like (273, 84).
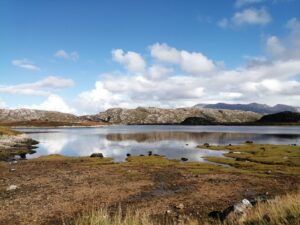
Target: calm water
(174, 142)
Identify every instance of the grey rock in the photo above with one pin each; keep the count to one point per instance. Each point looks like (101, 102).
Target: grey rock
(241, 207)
(179, 206)
(97, 155)
(152, 115)
(252, 107)
(17, 115)
(11, 187)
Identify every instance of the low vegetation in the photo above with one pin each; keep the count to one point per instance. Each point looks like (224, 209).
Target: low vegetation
(85, 190)
(283, 210)
(7, 131)
(259, 158)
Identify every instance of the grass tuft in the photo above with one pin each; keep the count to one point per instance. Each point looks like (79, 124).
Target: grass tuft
(284, 210)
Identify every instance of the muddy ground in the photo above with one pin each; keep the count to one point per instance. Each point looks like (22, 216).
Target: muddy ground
(50, 189)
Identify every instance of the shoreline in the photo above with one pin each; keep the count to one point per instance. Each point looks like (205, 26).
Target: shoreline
(42, 190)
(51, 186)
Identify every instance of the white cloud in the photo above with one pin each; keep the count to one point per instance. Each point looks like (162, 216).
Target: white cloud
(53, 103)
(285, 47)
(25, 64)
(74, 56)
(274, 46)
(179, 78)
(42, 87)
(263, 81)
(240, 85)
(250, 16)
(240, 3)
(132, 61)
(2, 104)
(190, 62)
(159, 72)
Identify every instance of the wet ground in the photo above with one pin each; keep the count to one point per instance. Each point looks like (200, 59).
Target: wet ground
(52, 188)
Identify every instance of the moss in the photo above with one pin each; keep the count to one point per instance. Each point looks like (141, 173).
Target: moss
(10, 153)
(8, 131)
(263, 153)
(150, 160)
(260, 158)
(89, 161)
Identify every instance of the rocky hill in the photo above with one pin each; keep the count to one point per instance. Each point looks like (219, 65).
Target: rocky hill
(14, 115)
(151, 115)
(252, 107)
(281, 118)
(41, 118)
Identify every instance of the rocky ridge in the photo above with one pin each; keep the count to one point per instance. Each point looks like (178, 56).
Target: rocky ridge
(252, 107)
(152, 115)
(14, 115)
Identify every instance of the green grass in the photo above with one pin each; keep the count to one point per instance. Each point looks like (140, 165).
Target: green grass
(85, 161)
(259, 158)
(252, 159)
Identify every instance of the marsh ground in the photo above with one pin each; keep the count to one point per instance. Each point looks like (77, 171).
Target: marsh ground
(55, 187)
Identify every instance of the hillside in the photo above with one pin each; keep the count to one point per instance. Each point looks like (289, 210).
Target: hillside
(151, 115)
(281, 118)
(252, 107)
(31, 117)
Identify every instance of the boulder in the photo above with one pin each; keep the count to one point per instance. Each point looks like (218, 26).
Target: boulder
(97, 155)
(12, 188)
(241, 207)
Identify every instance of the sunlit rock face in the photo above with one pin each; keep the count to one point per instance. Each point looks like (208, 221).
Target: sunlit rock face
(151, 115)
(16, 115)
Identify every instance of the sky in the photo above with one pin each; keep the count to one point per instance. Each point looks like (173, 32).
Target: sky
(86, 56)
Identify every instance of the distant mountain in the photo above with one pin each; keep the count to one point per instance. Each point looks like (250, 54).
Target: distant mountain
(252, 107)
(152, 115)
(280, 118)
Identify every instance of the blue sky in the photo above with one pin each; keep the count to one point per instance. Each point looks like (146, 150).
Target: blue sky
(87, 56)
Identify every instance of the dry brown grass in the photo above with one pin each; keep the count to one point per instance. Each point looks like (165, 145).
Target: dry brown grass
(283, 210)
(7, 131)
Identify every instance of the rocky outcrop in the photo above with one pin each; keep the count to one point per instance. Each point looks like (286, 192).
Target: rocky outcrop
(11, 145)
(151, 115)
(280, 118)
(252, 107)
(15, 115)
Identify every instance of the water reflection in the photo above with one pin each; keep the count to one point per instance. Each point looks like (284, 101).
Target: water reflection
(174, 142)
(181, 136)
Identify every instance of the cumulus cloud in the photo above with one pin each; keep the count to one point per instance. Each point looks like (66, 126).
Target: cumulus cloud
(132, 61)
(25, 64)
(74, 56)
(286, 47)
(179, 78)
(42, 87)
(190, 62)
(250, 16)
(162, 84)
(53, 103)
